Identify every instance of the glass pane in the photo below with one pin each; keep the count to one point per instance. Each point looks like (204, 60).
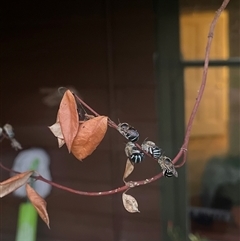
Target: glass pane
(195, 19)
(214, 153)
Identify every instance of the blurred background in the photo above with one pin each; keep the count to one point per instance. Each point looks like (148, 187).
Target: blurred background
(139, 62)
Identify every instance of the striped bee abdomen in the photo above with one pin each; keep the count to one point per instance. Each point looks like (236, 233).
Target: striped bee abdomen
(136, 157)
(133, 153)
(151, 148)
(167, 173)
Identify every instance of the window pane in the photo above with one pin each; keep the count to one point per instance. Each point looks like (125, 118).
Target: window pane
(214, 153)
(195, 19)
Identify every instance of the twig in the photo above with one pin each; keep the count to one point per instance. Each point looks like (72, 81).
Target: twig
(110, 122)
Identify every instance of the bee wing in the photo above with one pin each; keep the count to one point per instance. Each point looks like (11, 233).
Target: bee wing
(129, 149)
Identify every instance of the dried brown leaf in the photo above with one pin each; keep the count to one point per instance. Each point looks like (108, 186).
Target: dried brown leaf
(39, 203)
(130, 203)
(14, 183)
(68, 118)
(57, 131)
(89, 136)
(128, 169)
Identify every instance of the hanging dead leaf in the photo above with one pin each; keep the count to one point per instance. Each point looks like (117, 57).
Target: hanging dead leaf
(39, 203)
(130, 203)
(57, 131)
(89, 136)
(14, 183)
(128, 169)
(68, 118)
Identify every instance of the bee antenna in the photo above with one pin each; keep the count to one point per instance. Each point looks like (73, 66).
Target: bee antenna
(145, 139)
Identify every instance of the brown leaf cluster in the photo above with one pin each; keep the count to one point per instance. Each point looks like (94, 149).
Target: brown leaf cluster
(81, 138)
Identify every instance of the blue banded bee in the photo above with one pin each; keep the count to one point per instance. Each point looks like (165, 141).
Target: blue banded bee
(151, 148)
(128, 132)
(167, 166)
(133, 153)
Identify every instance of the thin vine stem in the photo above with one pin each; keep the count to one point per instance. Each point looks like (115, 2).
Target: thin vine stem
(205, 72)
(127, 186)
(183, 150)
(202, 86)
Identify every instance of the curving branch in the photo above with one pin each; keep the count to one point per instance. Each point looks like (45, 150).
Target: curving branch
(203, 84)
(183, 149)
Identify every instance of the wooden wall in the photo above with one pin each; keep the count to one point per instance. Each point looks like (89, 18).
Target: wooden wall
(105, 50)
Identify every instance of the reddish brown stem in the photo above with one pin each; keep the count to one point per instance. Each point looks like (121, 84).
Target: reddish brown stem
(128, 185)
(203, 84)
(7, 169)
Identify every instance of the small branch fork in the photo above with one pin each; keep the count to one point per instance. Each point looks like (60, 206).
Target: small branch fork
(183, 150)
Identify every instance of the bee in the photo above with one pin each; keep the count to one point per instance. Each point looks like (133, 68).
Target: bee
(151, 148)
(167, 166)
(8, 130)
(133, 153)
(128, 132)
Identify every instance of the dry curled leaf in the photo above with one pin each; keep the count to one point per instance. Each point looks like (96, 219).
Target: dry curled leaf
(14, 183)
(89, 136)
(68, 118)
(128, 169)
(130, 203)
(39, 203)
(57, 131)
